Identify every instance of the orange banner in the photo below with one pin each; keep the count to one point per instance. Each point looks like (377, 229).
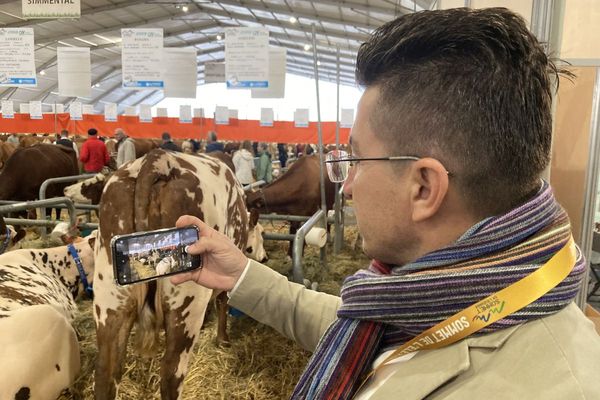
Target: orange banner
(237, 130)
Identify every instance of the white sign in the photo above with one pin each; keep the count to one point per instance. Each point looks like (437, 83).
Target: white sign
(301, 118)
(51, 8)
(198, 112)
(221, 115)
(145, 113)
(142, 51)
(130, 111)
(246, 57)
(214, 72)
(180, 72)
(162, 112)
(266, 117)
(347, 118)
(17, 64)
(76, 111)
(87, 109)
(110, 112)
(277, 65)
(58, 108)
(74, 71)
(24, 108)
(8, 110)
(233, 114)
(35, 110)
(185, 114)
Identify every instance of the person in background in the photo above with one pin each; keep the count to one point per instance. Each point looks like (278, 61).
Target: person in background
(282, 154)
(125, 149)
(168, 143)
(243, 160)
(65, 141)
(308, 149)
(94, 155)
(212, 144)
(13, 139)
(453, 210)
(264, 171)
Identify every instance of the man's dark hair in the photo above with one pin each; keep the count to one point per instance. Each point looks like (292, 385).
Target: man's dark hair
(92, 131)
(166, 136)
(212, 136)
(471, 88)
(64, 133)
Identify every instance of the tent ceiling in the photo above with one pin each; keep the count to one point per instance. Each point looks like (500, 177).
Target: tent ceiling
(339, 24)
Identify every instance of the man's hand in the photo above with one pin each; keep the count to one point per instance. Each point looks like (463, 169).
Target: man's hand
(222, 261)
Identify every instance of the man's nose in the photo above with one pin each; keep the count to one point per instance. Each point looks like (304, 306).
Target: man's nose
(347, 187)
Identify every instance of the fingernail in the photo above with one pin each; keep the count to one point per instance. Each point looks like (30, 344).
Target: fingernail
(186, 248)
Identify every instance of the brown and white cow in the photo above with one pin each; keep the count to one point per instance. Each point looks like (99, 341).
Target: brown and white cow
(87, 191)
(150, 193)
(6, 150)
(39, 353)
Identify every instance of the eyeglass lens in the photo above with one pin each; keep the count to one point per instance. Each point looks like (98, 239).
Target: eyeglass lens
(337, 170)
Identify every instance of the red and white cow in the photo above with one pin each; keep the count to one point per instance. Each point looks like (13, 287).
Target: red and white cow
(39, 353)
(151, 193)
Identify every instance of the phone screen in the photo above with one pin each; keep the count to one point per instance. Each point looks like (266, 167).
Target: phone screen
(148, 255)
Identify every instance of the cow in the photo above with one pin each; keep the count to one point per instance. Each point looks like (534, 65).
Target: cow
(87, 191)
(39, 353)
(224, 157)
(165, 265)
(27, 168)
(150, 193)
(296, 192)
(6, 150)
(9, 236)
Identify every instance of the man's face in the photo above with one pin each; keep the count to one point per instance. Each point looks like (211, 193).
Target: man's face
(376, 188)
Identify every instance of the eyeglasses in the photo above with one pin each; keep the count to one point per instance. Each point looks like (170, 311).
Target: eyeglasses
(339, 162)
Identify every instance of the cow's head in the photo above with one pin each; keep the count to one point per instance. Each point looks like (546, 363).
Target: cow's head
(88, 191)
(9, 236)
(254, 246)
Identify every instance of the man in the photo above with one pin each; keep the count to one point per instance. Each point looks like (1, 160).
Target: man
(65, 141)
(264, 170)
(126, 147)
(451, 137)
(168, 144)
(13, 139)
(212, 144)
(94, 155)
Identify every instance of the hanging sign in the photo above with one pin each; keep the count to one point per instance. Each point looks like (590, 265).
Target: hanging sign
(162, 112)
(51, 8)
(74, 71)
(8, 110)
(198, 112)
(110, 112)
(185, 114)
(87, 109)
(246, 57)
(266, 117)
(233, 114)
(130, 111)
(277, 65)
(301, 118)
(214, 72)
(145, 113)
(221, 115)
(17, 64)
(180, 72)
(24, 108)
(141, 55)
(76, 111)
(35, 110)
(347, 118)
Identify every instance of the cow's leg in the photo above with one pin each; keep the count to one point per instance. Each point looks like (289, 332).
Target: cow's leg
(221, 302)
(112, 336)
(183, 311)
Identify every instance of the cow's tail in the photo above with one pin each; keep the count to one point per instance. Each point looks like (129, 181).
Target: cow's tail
(146, 335)
(157, 167)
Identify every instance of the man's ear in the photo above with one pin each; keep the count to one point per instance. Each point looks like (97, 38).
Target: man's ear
(429, 187)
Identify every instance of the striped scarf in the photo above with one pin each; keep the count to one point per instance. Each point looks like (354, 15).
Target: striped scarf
(385, 306)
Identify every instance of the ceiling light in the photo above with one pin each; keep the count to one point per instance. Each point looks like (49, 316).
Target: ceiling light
(293, 20)
(306, 47)
(219, 37)
(185, 8)
(318, 62)
(43, 72)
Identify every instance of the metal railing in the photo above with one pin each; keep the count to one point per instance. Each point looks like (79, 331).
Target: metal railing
(28, 205)
(297, 272)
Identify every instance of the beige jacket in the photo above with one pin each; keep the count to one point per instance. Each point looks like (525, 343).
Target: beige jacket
(556, 357)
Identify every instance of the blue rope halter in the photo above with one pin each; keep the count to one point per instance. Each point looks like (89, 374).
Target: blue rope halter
(86, 286)
(6, 241)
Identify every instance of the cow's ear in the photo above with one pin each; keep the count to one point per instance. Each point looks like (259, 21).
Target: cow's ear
(92, 241)
(254, 214)
(20, 235)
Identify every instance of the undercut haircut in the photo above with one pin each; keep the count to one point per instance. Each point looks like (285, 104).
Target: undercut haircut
(471, 88)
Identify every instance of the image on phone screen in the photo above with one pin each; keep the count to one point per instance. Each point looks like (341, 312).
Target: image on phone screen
(148, 255)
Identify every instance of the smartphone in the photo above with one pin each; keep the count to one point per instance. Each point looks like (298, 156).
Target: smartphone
(144, 256)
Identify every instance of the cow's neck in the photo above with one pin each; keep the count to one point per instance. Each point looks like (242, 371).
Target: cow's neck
(58, 262)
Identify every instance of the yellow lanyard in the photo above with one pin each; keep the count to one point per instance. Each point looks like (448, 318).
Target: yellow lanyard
(492, 308)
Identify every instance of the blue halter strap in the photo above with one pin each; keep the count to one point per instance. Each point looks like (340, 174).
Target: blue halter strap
(6, 241)
(86, 286)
